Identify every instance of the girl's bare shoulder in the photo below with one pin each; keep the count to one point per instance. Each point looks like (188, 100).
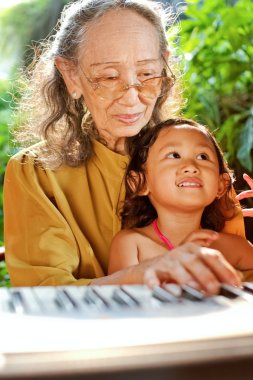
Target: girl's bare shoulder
(133, 234)
(143, 232)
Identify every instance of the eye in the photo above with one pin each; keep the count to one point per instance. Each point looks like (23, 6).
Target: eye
(108, 78)
(203, 156)
(173, 155)
(146, 75)
(109, 81)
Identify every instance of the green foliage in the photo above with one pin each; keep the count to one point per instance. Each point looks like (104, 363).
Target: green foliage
(4, 277)
(217, 42)
(5, 116)
(24, 24)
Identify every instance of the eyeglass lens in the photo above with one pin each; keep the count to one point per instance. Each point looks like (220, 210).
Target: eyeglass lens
(150, 88)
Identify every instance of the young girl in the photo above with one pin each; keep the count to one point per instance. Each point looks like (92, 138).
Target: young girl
(178, 189)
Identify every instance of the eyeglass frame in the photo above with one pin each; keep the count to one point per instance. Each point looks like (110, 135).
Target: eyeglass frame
(135, 85)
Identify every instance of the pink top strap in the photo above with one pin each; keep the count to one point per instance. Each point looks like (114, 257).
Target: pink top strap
(161, 236)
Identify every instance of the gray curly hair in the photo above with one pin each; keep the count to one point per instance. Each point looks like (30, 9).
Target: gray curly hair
(46, 108)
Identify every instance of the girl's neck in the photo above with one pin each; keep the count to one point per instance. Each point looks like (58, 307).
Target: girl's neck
(177, 227)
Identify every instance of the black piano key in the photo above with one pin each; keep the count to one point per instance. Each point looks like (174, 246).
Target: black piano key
(124, 298)
(164, 296)
(233, 292)
(17, 302)
(70, 298)
(93, 296)
(192, 294)
(64, 301)
(5, 301)
(227, 292)
(248, 286)
(99, 296)
(49, 299)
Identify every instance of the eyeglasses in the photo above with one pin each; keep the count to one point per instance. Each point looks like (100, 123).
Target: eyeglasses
(113, 88)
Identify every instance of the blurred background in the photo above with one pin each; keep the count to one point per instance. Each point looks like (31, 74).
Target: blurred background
(213, 44)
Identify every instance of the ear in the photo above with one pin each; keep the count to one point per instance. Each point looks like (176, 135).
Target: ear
(144, 191)
(70, 75)
(135, 181)
(224, 182)
(166, 54)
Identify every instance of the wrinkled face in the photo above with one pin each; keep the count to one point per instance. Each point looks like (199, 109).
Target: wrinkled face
(122, 45)
(182, 170)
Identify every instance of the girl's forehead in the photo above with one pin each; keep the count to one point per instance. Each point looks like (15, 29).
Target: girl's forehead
(185, 130)
(181, 136)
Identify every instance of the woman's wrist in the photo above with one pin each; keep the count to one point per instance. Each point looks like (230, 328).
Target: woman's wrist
(130, 275)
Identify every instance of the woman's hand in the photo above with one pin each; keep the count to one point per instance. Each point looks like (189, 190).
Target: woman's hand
(190, 264)
(203, 237)
(246, 194)
(200, 267)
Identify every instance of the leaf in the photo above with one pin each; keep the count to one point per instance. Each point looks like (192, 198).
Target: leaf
(246, 144)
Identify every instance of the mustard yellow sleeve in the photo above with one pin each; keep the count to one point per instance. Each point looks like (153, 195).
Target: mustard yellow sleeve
(41, 248)
(236, 225)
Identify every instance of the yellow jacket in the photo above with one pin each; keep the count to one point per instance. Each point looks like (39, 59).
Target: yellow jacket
(59, 223)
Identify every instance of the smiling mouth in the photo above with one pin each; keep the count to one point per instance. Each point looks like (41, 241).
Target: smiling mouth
(189, 184)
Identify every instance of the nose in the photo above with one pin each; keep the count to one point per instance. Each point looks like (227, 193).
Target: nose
(130, 96)
(190, 167)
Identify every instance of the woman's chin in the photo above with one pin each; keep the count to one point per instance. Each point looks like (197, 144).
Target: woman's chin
(129, 130)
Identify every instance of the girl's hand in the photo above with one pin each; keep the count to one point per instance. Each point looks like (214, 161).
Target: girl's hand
(201, 237)
(246, 194)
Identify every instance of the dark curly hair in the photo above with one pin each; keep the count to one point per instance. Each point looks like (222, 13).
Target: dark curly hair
(138, 210)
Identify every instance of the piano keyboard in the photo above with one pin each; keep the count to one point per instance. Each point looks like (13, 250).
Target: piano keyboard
(119, 301)
(126, 332)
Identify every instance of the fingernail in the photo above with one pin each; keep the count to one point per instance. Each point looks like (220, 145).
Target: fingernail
(152, 283)
(193, 284)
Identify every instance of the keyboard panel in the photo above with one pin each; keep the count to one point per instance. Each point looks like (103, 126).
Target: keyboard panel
(118, 301)
(126, 332)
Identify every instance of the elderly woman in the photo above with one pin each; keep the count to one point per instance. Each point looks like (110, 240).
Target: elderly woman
(101, 80)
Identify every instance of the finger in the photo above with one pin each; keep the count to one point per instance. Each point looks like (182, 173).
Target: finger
(155, 277)
(240, 275)
(244, 194)
(202, 236)
(248, 179)
(202, 242)
(202, 273)
(221, 268)
(168, 269)
(182, 276)
(247, 212)
(205, 234)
